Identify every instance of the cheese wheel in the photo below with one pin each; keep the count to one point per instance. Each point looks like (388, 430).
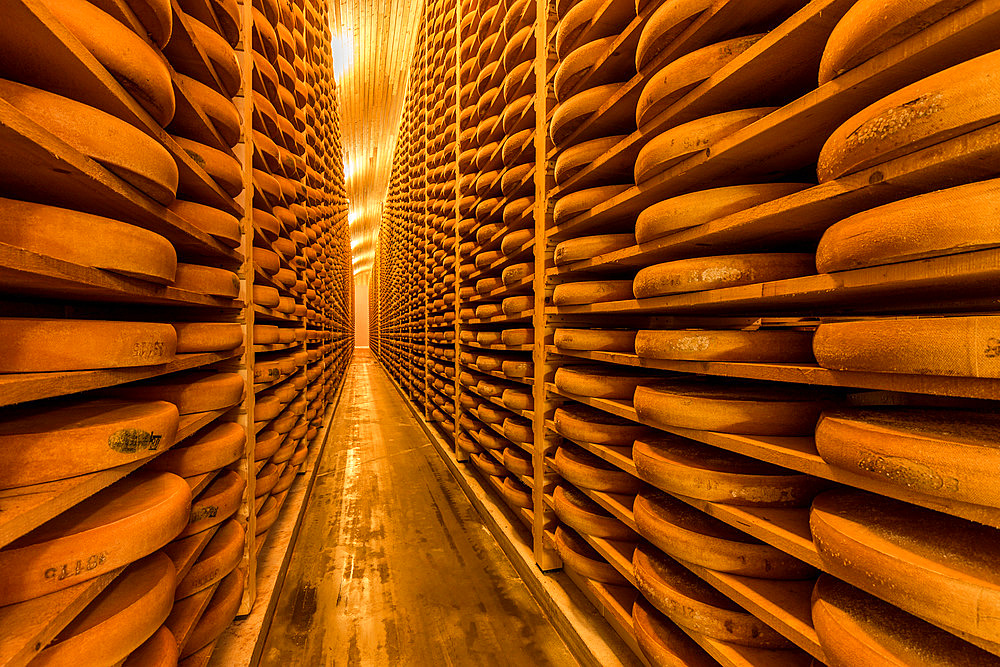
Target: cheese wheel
(577, 67)
(588, 247)
(954, 346)
(692, 469)
(266, 260)
(160, 650)
(468, 445)
(518, 430)
(266, 296)
(216, 503)
(517, 336)
(515, 305)
(679, 77)
(488, 466)
(518, 461)
(213, 447)
(601, 381)
(220, 111)
(871, 27)
(692, 603)
(488, 310)
(303, 450)
(516, 493)
(698, 208)
(734, 407)
(266, 408)
(517, 399)
(662, 642)
(690, 535)
(486, 285)
(570, 161)
(515, 273)
(220, 612)
(855, 628)
(488, 337)
(286, 479)
(585, 424)
(943, 453)
(126, 521)
(591, 291)
(576, 203)
(706, 273)
(136, 64)
(115, 623)
(31, 345)
(88, 240)
(208, 336)
(583, 515)
(578, 109)
(41, 444)
(490, 414)
(191, 391)
(123, 149)
(928, 112)
(582, 558)
(593, 340)
(589, 471)
(949, 221)
(219, 53)
(207, 280)
(681, 142)
(266, 334)
(940, 568)
(513, 241)
(219, 557)
(667, 23)
(224, 227)
(757, 346)
(221, 166)
(518, 369)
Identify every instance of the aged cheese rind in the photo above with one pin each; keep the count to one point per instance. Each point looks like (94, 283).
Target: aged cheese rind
(758, 346)
(594, 340)
(705, 273)
(585, 516)
(591, 291)
(193, 391)
(589, 471)
(662, 642)
(208, 336)
(601, 381)
(583, 559)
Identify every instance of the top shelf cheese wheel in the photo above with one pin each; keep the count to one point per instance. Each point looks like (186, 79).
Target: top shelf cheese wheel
(115, 527)
(705, 273)
(930, 111)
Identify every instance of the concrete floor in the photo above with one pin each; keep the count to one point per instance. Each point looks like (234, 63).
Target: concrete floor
(393, 565)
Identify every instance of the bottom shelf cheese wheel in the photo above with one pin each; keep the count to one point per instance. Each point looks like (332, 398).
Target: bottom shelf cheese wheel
(597, 381)
(855, 628)
(588, 247)
(731, 407)
(595, 340)
(582, 558)
(208, 336)
(940, 568)
(216, 503)
(211, 448)
(219, 557)
(117, 526)
(219, 613)
(117, 622)
(691, 535)
(579, 512)
(690, 602)
(589, 471)
(104, 434)
(591, 291)
(160, 650)
(586, 424)
(760, 346)
(35, 345)
(192, 391)
(698, 274)
(956, 346)
(516, 493)
(695, 470)
(948, 454)
(662, 642)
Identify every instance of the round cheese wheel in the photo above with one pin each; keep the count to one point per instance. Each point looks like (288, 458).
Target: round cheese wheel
(589, 471)
(88, 240)
(518, 430)
(219, 557)
(41, 444)
(468, 445)
(585, 516)
(517, 336)
(224, 227)
(266, 408)
(578, 109)
(488, 466)
(136, 64)
(126, 521)
(266, 296)
(513, 241)
(488, 310)
(515, 305)
(591, 291)
(588, 247)
(115, 623)
(267, 261)
(582, 558)
(517, 399)
(949, 221)
(662, 642)
(518, 461)
(302, 451)
(601, 381)
(692, 603)
(220, 612)
(487, 285)
(706, 273)
(221, 166)
(735, 407)
(872, 27)
(490, 414)
(855, 628)
(516, 493)
(593, 340)
(211, 448)
(585, 424)
(759, 346)
(216, 503)
(268, 442)
(690, 535)
(31, 345)
(932, 110)
(191, 391)
(692, 469)
(697, 208)
(943, 453)
(160, 650)
(681, 142)
(207, 336)
(286, 479)
(576, 203)
(488, 337)
(668, 21)
(938, 567)
(955, 346)
(515, 273)
(219, 53)
(517, 368)
(570, 161)
(123, 149)
(207, 280)
(220, 111)
(577, 67)
(267, 514)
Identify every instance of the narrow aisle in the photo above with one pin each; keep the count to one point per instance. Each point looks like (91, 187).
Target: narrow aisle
(393, 565)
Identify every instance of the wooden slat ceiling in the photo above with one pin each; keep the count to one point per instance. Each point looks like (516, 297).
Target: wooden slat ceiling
(372, 51)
